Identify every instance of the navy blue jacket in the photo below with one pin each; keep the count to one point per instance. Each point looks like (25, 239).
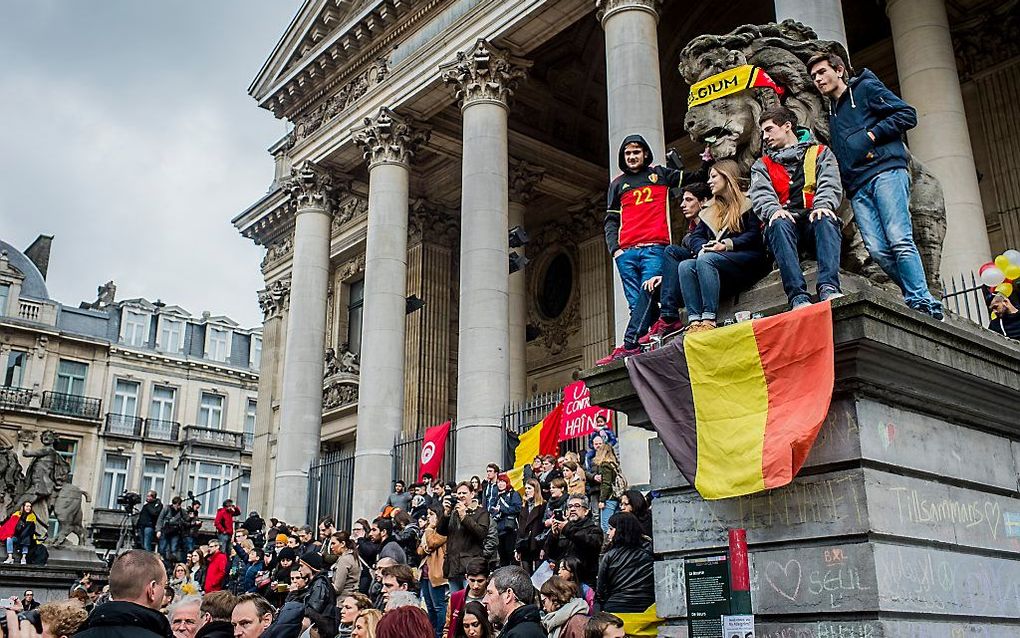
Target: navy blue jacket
(868, 105)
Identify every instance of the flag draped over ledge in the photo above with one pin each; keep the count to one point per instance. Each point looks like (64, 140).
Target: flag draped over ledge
(542, 438)
(738, 408)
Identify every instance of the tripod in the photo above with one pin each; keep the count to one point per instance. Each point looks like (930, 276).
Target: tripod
(126, 538)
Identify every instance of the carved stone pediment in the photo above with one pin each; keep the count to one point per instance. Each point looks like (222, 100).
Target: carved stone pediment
(339, 391)
(342, 99)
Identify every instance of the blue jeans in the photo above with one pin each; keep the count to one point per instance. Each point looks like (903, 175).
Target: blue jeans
(169, 546)
(784, 238)
(670, 295)
(642, 316)
(435, 603)
(10, 547)
(636, 265)
(700, 281)
(882, 212)
(457, 583)
(607, 512)
(148, 538)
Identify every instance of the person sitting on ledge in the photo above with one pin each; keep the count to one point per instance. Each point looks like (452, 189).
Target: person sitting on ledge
(1006, 319)
(795, 190)
(730, 253)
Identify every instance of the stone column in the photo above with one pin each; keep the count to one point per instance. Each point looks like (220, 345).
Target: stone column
(824, 16)
(389, 142)
(594, 299)
(523, 179)
(274, 301)
(485, 78)
(929, 81)
(634, 94)
(301, 401)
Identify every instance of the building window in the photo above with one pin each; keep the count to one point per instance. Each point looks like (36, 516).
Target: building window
(355, 315)
(71, 377)
(134, 328)
(15, 376)
(256, 352)
(249, 424)
(154, 477)
(162, 406)
(211, 485)
(68, 450)
(115, 471)
(210, 411)
(125, 398)
(243, 489)
(217, 344)
(171, 335)
(5, 296)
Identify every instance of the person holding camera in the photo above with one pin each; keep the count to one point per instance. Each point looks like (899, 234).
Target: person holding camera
(170, 528)
(147, 517)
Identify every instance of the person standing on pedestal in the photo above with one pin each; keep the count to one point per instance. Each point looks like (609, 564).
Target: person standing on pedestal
(637, 229)
(867, 122)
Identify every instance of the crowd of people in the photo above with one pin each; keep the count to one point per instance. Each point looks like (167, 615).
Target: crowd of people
(473, 559)
(736, 232)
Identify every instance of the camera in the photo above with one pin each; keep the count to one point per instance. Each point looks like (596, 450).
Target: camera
(128, 500)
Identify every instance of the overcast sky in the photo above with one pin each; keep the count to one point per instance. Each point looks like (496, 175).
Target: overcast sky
(128, 134)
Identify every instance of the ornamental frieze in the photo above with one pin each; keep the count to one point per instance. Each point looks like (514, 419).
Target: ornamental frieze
(275, 299)
(345, 97)
(278, 251)
(427, 221)
(348, 212)
(351, 268)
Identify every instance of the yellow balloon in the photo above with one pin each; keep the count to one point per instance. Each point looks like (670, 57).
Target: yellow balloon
(1002, 262)
(1005, 288)
(1012, 272)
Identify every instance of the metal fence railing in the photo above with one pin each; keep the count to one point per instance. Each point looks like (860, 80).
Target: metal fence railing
(331, 487)
(519, 417)
(964, 296)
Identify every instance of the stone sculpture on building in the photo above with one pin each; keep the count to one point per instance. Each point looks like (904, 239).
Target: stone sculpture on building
(11, 478)
(46, 470)
(728, 126)
(67, 509)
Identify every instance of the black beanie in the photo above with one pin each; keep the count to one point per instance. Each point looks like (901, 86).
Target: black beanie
(287, 553)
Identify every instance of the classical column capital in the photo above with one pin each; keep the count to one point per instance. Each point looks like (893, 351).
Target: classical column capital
(524, 177)
(275, 298)
(484, 74)
(606, 8)
(309, 186)
(389, 138)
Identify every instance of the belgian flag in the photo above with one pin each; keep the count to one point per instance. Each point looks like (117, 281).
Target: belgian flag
(738, 408)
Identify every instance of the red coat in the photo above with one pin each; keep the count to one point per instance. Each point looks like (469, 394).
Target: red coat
(224, 521)
(7, 529)
(215, 573)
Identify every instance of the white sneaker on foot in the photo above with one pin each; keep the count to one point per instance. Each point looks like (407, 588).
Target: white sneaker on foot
(9, 561)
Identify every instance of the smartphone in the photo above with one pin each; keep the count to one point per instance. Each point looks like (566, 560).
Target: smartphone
(8, 603)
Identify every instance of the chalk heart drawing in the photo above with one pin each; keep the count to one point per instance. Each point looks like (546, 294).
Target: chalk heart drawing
(784, 579)
(993, 516)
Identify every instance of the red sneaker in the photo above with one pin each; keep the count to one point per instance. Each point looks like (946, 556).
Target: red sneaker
(620, 352)
(659, 328)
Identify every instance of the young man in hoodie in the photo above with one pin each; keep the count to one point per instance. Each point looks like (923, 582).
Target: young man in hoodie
(637, 231)
(795, 190)
(866, 124)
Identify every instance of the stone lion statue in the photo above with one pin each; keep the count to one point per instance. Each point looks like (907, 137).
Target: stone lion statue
(728, 126)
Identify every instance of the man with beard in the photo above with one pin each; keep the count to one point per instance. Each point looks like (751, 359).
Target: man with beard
(579, 536)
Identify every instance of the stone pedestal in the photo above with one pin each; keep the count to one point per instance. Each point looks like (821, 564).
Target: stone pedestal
(301, 401)
(900, 523)
(930, 82)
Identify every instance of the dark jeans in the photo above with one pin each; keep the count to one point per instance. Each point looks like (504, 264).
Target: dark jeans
(704, 279)
(435, 603)
(643, 315)
(148, 535)
(670, 294)
(170, 547)
(507, 543)
(823, 235)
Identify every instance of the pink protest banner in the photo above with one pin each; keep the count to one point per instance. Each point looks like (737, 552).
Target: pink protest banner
(578, 413)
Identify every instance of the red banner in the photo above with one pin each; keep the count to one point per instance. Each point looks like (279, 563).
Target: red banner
(578, 414)
(432, 450)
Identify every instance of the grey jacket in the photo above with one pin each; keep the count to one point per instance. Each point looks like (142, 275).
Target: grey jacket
(828, 189)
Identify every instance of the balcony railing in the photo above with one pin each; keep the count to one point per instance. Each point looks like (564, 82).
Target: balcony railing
(123, 425)
(160, 430)
(14, 398)
(248, 441)
(29, 310)
(209, 436)
(72, 405)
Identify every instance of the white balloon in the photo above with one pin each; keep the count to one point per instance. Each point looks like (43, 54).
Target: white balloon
(992, 277)
(1013, 256)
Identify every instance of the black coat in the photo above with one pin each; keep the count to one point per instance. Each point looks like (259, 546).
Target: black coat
(626, 580)
(530, 524)
(320, 605)
(216, 629)
(524, 622)
(120, 619)
(581, 539)
(149, 514)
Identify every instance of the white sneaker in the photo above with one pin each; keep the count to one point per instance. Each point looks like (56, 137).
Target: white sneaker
(24, 560)
(9, 561)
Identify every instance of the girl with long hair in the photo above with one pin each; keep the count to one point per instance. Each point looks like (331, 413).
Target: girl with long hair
(365, 623)
(626, 579)
(19, 533)
(531, 533)
(474, 622)
(728, 247)
(609, 476)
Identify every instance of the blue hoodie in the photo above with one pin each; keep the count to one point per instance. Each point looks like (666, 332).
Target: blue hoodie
(868, 105)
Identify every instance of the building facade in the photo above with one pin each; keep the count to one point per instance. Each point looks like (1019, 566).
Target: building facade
(424, 129)
(141, 395)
